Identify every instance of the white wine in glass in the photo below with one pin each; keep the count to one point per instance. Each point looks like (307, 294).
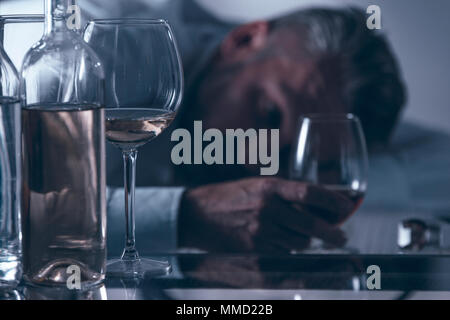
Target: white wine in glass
(130, 129)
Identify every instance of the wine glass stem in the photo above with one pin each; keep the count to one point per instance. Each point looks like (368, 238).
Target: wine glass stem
(129, 161)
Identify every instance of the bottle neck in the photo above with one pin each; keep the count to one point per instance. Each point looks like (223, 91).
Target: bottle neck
(56, 14)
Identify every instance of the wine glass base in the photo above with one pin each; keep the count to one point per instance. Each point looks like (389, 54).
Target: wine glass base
(137, 269)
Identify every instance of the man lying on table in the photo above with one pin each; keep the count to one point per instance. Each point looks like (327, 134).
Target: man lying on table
(264, 74)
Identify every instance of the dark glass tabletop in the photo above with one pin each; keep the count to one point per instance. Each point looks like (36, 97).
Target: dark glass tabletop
(248, 277)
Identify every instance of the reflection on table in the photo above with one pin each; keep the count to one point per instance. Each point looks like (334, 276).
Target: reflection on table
(252, 277)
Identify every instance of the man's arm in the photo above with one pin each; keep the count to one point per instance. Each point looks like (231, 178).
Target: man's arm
(250, 215)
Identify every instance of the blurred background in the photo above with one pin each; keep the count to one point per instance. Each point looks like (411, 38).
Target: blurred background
(418, 30)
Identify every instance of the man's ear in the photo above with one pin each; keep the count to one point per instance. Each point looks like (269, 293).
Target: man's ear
(244, 40)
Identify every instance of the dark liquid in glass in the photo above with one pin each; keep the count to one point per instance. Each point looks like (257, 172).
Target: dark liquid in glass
(356, 197)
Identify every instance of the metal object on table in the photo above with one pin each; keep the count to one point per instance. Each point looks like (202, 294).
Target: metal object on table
(416, 235)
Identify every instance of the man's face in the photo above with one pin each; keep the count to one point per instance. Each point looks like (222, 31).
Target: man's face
(270, 87)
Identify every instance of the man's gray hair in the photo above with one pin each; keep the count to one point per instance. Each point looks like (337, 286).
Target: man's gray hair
(372, 84)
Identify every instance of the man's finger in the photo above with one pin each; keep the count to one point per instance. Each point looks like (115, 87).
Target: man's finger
(305, 223)
(277, 238)
(313, 196)
(333, 217)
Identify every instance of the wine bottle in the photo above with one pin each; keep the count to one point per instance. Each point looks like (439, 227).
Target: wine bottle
(63, 161)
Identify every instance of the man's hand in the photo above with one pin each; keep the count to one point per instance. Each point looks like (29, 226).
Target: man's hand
(261, 215)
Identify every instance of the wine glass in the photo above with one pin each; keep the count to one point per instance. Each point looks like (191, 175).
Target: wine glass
(144, 87)
(330, 151)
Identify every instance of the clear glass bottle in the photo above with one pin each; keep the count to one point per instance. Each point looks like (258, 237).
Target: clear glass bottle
(63, 161)
(10, 246)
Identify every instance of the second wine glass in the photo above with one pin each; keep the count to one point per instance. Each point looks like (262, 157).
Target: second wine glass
(330, 152)
(144, 87)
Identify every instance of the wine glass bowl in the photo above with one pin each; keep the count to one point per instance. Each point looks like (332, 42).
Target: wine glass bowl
(143, 66)
(330, 152)
(144, 88)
